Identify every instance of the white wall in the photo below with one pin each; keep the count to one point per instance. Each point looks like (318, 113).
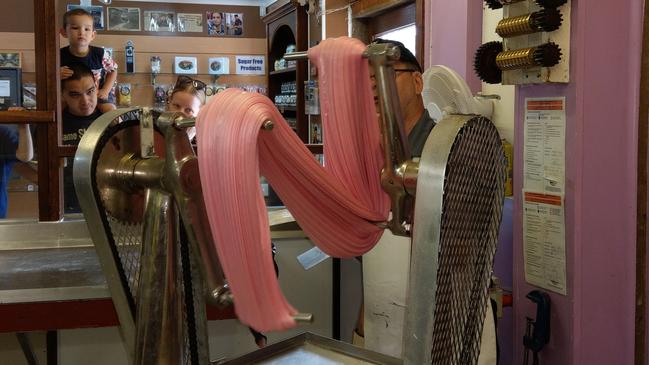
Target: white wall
(503, 116)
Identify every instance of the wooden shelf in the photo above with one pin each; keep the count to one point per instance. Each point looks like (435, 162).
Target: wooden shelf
(286, 108)
(315, 148)
(287, 25)
(284, 71)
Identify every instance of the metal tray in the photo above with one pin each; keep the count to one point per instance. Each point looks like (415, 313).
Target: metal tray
(312, 349)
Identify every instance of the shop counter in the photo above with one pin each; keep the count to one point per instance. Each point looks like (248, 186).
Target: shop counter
(52, 279)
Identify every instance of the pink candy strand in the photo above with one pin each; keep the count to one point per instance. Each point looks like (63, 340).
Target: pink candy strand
(335, 205)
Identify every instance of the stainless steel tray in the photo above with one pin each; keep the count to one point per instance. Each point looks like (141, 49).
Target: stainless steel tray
(312, 349)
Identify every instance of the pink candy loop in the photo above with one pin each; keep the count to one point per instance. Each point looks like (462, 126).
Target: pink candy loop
(334, 205)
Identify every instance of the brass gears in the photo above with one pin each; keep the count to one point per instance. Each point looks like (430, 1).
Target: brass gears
(485, 65)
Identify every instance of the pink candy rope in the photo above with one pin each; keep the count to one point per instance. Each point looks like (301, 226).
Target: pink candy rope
(335, 205)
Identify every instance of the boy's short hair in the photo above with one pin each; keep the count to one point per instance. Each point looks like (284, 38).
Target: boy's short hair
(79, 71)
(406, 56)
(77, 12)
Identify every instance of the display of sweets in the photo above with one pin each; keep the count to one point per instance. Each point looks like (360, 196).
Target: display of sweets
(285, 99)
(288, 87)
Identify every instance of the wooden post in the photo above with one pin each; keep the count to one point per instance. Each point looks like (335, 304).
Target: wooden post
(47, 74)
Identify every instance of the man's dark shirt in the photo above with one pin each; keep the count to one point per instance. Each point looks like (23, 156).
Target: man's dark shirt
(73, 129)
(419, 134)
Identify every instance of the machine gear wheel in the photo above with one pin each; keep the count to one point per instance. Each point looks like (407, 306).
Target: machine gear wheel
(493, 4)
(547, 20)
(119, 146)
(485, 65)
(547, 55)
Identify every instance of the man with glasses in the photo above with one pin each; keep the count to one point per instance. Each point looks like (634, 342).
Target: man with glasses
(386, 303)
(417, 125)
(417, 122)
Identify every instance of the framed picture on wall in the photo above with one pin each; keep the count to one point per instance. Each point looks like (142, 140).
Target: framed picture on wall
(234, 23)
(190, 22)
(185, 65)
(160, 21)
(97, 13)
(108, 51)
(10, 59)
(218, 65)
(215, 23)
(125, 19)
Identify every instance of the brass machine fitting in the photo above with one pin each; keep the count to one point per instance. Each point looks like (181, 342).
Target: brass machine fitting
(546, 55)
(546, 20)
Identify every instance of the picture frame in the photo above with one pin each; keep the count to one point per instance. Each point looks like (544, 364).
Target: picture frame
(10, 59)
(218, 65)
(216, 23)
(234, 24)
(159, 21)
(189, 22)
(186, 65)
(29, 95)
(96, 11)
(124, 19)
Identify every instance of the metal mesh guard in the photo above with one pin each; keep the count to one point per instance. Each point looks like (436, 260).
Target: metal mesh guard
(128, 244)
(471, 214)
(120, 241)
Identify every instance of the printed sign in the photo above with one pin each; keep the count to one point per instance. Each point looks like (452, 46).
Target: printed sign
(251, 65)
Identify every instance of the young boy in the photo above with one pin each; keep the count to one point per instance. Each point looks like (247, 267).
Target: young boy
(78, 28)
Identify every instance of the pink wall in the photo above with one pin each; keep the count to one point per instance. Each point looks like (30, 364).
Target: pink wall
(594, 323)
(453, 31)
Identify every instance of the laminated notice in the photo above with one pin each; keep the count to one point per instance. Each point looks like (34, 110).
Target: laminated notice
(544, 246)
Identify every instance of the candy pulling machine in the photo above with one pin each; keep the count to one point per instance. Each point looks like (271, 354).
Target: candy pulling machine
(138, 184)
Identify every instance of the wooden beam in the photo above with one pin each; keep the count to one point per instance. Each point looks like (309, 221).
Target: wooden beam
(67, 151)
(27, 116)
(419, 25)
(641, 213)
(46, 46)
(371, 8)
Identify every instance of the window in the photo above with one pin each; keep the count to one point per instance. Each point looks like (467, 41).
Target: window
(406, 35)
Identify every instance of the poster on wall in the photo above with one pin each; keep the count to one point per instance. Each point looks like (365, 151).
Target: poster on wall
(97, 13)
(545, 145)
(185, 65)
(124, 19)
(159, 21)
(218, 65)
(190, 22)
(234, 23)
(10, 59)
(544, 228)
(544, 241)
(215, 23)
(251, 65)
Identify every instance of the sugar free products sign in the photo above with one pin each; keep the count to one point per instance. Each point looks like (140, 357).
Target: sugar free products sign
(251, 65)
